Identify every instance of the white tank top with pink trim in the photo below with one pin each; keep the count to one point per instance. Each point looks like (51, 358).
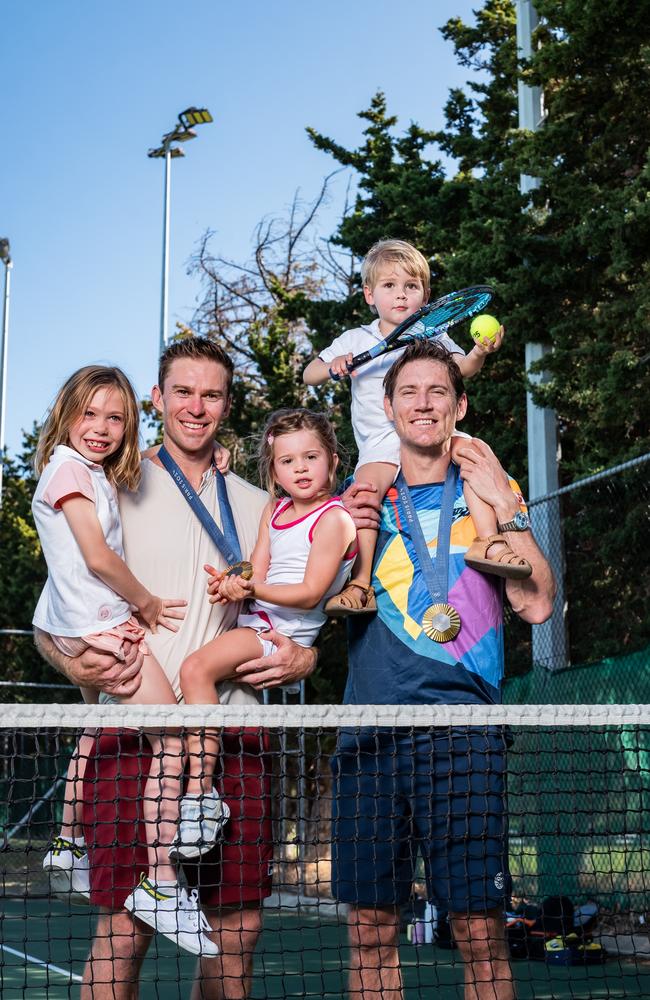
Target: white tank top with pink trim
(290, 548)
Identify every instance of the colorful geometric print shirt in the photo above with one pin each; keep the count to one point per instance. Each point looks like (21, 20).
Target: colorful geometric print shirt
(391, 659)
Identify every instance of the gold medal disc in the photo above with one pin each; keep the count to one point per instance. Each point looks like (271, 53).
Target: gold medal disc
(441, 622)
(243, 568)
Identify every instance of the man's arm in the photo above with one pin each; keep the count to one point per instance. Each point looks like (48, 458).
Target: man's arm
(532, 598)
(99, 671)
(288, 665)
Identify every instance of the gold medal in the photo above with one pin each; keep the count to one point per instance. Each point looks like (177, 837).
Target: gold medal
(243, 569)
(441, 622)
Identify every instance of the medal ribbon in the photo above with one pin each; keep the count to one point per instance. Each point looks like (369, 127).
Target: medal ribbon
(435, 571)
(226, 541)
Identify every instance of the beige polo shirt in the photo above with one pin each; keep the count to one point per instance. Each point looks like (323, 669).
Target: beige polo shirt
(166, 548)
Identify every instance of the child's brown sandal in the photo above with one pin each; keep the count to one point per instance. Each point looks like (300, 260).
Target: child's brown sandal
(506, 563)
(349, 602)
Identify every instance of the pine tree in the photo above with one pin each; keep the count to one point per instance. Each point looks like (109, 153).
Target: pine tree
(570, 267)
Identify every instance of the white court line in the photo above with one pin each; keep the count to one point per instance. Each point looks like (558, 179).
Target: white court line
(39, 961)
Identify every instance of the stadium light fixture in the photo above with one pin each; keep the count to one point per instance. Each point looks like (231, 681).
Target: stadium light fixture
(168, 150)
(194, 116)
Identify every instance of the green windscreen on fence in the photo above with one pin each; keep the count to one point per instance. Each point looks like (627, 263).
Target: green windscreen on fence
(600, 845)
(620, 680)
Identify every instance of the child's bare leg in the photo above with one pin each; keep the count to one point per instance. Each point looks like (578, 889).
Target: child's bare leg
(203, 814)
(71, 823)
(162, 796)
(381, 475)
(163, 788)
(66, 860)
(354, 598)
(72, 818)
(200, 674)
(489, 552)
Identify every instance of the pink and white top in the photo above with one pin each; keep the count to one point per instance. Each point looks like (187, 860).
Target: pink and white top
(75, 602)
(290, 548)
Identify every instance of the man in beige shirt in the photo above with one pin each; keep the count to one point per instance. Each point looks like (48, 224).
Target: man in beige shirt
(166, 547)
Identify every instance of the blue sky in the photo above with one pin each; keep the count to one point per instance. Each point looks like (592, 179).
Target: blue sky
(90, 86)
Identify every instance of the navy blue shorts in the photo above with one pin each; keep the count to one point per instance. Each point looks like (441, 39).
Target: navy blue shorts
(400, 794)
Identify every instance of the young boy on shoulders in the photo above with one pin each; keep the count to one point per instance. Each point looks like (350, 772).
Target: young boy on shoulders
(396, 283)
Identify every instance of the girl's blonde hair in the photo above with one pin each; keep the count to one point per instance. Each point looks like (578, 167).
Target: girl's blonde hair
(286, 422)
(395, 252)
(122, 468)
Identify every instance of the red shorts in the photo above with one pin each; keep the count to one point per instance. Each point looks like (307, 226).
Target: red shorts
(238, 870)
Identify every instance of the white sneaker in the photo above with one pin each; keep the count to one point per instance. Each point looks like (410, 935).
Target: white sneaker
(202, 818)
(67, 866)
(174, 914)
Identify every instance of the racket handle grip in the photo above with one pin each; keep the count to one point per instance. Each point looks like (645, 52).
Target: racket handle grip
(337, 378)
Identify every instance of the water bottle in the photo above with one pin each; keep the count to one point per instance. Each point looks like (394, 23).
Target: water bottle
(430, 923)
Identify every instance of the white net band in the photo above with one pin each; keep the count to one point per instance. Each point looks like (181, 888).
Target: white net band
(325, 716)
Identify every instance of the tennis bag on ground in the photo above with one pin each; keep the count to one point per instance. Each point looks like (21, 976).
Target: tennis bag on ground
(557, 933)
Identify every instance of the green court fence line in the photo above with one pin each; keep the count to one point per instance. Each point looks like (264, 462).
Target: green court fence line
(617, 680)
(582, 803)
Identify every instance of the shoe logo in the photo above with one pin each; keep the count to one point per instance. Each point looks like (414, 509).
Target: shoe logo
(151, 890)
(60, 844)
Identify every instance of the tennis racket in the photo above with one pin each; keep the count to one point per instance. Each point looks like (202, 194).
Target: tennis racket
(429, 321)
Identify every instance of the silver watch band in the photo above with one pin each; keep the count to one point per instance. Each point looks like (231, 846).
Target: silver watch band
(520, 522)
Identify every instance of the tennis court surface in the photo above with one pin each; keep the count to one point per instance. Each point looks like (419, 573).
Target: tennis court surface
(299, 956)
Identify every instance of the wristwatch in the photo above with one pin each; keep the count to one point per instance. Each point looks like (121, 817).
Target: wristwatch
(520, 522)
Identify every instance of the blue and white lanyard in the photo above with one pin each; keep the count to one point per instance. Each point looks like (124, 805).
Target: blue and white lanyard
(435, 571)
(226, 541)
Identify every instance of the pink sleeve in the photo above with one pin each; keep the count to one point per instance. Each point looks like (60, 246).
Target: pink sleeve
(70, 479)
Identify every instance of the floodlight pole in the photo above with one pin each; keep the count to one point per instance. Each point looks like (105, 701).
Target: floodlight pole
(168, 150)
(5, 256)
(549, 639)
(164, 292)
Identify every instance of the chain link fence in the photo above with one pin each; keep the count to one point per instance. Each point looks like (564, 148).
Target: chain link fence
(596, 533)
(594, 650)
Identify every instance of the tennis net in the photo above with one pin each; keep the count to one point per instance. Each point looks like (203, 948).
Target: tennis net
(566, 873)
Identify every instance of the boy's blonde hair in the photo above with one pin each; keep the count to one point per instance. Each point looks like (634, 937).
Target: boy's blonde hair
(286, 422)
(122, 468)
(395, 252)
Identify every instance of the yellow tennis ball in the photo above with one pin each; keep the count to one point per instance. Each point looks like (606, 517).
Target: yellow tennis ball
(484, 326)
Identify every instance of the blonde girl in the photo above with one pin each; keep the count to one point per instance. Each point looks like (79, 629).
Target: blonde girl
(304, 553)
(88, 449)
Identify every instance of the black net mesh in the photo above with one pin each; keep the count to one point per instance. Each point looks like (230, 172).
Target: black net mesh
(395, 808)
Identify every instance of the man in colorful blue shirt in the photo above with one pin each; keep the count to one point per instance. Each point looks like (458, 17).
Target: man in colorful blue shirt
(438, 793)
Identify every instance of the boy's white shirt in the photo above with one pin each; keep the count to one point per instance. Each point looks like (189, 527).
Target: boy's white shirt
(373, 431)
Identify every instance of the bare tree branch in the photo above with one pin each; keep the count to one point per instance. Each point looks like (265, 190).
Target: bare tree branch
(246, 306)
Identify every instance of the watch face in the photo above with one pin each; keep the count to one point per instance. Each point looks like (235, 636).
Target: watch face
(522, 521)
